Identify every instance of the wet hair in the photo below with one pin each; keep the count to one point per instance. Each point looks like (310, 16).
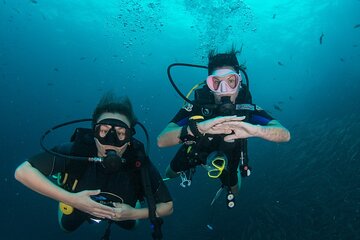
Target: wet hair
(110, 103)
(217, 60)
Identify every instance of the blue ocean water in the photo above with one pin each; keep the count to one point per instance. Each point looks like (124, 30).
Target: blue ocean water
(57, 58)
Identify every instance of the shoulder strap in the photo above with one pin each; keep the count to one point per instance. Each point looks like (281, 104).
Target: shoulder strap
(156, 222)
(82, 145)
(244, 95)
(203, 96)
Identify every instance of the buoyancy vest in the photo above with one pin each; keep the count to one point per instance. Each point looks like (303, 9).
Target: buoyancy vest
(83, 145)
(243, 106)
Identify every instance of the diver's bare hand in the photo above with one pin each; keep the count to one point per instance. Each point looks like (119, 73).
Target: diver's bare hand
(83, 202)
(123, 212)
(214, 125)
(238, 130)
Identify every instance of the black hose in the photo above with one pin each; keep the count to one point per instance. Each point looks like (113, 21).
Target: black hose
(56, 127)
(174, 85)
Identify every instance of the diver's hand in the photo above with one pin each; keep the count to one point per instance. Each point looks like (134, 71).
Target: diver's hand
(83, 202)
(123, 212)
(239, 130)
(215, 125)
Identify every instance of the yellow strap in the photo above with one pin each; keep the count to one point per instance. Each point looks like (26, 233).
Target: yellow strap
(197, 117)
(74, 185)
(66, 175)
(188, 149)
(65, 179)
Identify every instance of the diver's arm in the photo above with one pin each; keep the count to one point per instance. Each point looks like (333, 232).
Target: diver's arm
(126, 212)
(274, 132)
(170, 135)
(162, 210)
(35, 180)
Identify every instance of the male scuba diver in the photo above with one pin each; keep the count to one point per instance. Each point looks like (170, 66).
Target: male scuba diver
(115, 175)
(213, 128)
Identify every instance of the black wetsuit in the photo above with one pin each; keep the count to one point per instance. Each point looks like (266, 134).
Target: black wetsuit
(125, 183)
(254, 115)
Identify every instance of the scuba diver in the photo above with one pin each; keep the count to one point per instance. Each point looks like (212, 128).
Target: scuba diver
(103, 173)
(214, 127)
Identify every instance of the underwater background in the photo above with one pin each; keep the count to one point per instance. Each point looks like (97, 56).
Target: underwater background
(57, 58)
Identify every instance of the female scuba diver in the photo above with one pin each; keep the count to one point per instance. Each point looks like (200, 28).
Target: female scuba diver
(219, 120)
(115, 175)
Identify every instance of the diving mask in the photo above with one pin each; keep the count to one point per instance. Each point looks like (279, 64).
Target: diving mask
(113, 132)
(224, 81)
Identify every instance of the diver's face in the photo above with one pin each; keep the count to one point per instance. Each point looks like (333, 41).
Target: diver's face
(232, 81)
(104, 129)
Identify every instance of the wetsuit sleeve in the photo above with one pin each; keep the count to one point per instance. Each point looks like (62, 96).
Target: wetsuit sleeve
(48, 164)
(183, 115)
(260, 117)
(161, 192)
